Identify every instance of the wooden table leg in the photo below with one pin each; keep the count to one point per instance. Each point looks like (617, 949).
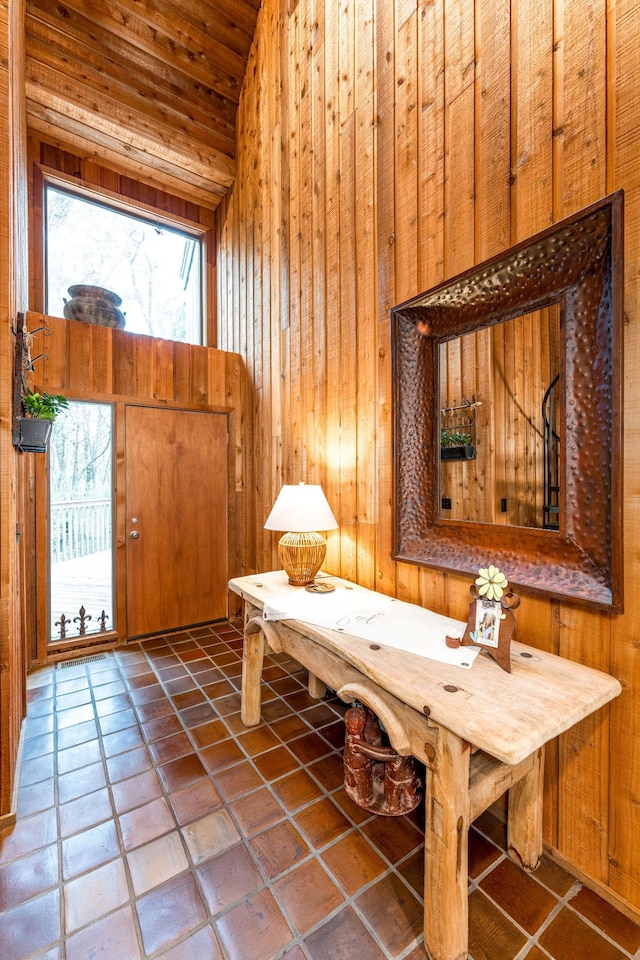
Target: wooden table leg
(446, 906)
(317, 688)
(252, 659)
(524, 826)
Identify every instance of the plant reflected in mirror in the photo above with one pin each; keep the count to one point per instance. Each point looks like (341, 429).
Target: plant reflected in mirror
(512, 476)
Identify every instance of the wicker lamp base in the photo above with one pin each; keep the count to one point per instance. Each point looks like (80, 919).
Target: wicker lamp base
(301, 556)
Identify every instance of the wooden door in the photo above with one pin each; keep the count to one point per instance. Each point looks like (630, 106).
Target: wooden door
(176, 504)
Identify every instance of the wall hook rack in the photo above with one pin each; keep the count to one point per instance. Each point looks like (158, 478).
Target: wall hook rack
(29, 361)
(23, 363)
(458, 430)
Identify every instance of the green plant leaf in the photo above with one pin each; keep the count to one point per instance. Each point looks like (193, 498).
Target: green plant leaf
(44, 406)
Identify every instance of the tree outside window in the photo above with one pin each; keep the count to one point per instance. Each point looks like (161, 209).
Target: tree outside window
(155, 269)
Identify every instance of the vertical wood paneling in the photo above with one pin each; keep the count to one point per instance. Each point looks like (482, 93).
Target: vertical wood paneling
(384, 174)
(102, 360)
(405, 196)
(262, 303)
(535, 127)
(215, 378)
(163, 387)
(181, 371)
(307, 347)
(332, 267)
(267, 429)
(317, 203)
(124, 374)
(625, 655)
(583, 796)
(584, 130)
(366, 300)
(459, 166)
(347, 383)
(13, 298)
(431, 142)
(431, 152)
(493, 127)
(145, 367)
(406, 159)
(490, 120)
(80, 360)
(581, 161)
(294, 466)
(532, 117)
(199, 378)
(459, 136)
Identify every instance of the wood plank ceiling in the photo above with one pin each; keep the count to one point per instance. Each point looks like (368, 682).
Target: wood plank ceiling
(151, 86)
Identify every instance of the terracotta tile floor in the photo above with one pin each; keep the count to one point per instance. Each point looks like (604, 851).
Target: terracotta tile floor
(153, 824)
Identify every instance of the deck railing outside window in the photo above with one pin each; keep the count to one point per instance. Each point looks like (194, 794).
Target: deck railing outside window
(79, 528)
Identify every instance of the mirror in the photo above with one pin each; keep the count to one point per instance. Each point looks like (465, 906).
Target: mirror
(500, 397)
(568, 277)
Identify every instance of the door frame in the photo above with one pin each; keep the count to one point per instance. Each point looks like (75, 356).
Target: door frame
(46, 652)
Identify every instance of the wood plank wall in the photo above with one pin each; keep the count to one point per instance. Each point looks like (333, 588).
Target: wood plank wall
(385, 145)
(13, 297)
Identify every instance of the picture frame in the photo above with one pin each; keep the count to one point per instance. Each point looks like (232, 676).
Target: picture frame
(488, 614)
(491, 624)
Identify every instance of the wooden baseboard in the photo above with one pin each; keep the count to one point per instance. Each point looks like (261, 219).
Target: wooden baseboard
(600, 888)
(8, 820)
(498, 810)
(77, 647)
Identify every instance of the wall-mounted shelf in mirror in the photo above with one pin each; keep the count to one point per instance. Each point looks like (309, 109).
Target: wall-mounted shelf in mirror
(536, 333)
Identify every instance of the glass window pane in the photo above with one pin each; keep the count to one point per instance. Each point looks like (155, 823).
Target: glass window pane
(81, 520)
(154, 269)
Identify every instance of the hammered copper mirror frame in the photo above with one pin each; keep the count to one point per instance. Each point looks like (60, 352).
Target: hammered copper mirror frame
(576, 263)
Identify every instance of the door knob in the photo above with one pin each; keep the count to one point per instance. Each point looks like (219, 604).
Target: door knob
(134, 534)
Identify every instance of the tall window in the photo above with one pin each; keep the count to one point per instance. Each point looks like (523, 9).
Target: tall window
(81, 521)
(155, 269)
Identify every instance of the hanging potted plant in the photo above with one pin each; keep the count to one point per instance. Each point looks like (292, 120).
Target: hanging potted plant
(35, 428)
(455, 445)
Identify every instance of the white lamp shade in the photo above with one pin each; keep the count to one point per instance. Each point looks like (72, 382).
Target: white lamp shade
(301, 508)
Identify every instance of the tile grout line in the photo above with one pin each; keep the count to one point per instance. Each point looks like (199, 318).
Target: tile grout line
(117, 826)
(133, 897)
(350, 900)
(563, 901)
(210, 921)
(269, 884)
(229, 670)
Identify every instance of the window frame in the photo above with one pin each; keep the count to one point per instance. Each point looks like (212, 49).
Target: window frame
(45, 177)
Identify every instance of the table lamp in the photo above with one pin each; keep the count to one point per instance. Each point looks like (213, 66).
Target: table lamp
(301, 510)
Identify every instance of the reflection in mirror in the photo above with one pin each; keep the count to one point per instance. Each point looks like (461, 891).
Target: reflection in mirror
(500, 404)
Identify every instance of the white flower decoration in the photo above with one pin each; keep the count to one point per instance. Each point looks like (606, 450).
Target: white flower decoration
(491, 583)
